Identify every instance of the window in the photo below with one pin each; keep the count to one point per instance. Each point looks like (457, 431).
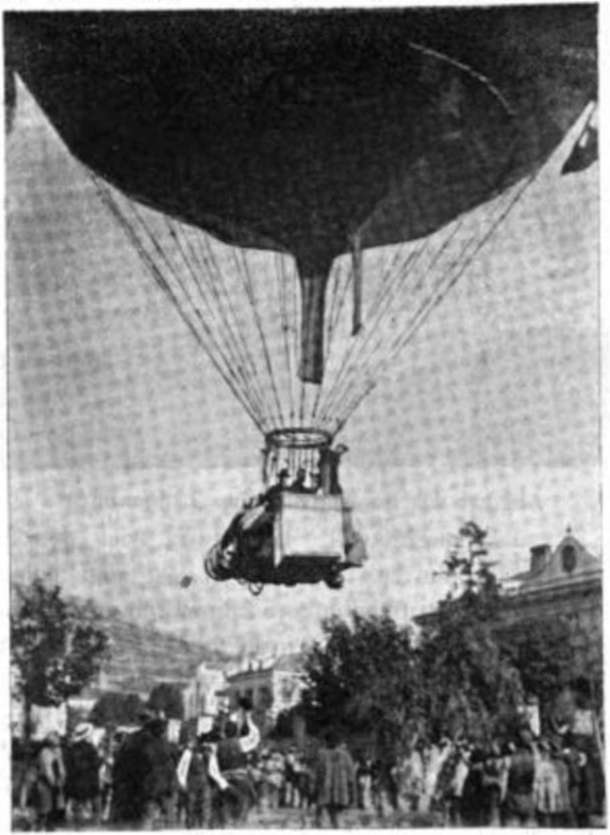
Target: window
(568, 558)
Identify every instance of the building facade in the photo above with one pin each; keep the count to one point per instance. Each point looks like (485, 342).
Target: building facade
(205, 695)
(562, 582)
(273, 685)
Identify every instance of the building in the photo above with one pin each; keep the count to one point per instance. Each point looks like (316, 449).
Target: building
(566, 582)
(562, 582)
(273, 685)
(204, 695)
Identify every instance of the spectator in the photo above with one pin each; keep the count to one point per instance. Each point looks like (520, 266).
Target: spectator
(50, 783)
(335, 780)
(520, 807)
(194, 785)
(83, 775)
(547, 788)
(144, 781)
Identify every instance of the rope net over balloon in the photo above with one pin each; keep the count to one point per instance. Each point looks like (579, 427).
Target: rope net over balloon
(244, 308)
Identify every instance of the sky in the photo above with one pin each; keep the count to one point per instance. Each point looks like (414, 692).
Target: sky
(128, 455)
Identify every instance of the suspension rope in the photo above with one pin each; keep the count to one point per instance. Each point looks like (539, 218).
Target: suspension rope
(196, 312)
(219, 287)
(380, 304)
(326, 389)
(364, 363)
(373, 369)
(255, 310)
(209, 268)
(430, 304)
(410, 284)
(110, 201)
(222, 334)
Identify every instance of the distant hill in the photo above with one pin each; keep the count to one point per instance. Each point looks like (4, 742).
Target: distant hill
(142, 656)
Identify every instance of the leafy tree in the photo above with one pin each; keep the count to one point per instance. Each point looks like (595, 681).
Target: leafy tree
(550, 653)
(542, 651)
(477, 665)
(467, 561)
(364, 675)
(116, 709)
(57, 645)
(167, 697)
(469, 684)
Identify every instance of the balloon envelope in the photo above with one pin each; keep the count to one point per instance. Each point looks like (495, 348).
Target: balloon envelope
(297, 130)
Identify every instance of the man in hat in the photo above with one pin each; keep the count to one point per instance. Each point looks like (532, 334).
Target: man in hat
(159, 784)
(145, 775)
(82, 774)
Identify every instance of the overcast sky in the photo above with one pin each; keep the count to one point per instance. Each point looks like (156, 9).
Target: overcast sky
(128, 455)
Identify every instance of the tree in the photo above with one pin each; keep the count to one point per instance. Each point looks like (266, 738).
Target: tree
(470, 686)
(57, 645)
(467, 562)
(363, 676)
(167, 697)
(551, 652)
(116, 709)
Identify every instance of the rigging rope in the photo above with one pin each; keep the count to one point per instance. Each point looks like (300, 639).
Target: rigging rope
(216, 358)
(411, 281)
(138, 232)
(216, 282)
(442, 287)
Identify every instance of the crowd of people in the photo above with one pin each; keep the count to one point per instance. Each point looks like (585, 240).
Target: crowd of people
(136, 778)
(521, 781)
(142, 780)
(139, 779)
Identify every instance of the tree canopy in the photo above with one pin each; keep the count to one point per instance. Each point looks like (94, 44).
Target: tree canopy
(467, 673)
(167, 697)
(365, 674)
(58, 645)
(117, 709)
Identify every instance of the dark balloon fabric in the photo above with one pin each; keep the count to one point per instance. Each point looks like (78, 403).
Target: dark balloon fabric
(286, 130)
(302, 131)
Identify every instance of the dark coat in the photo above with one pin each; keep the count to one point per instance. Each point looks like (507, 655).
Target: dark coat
(160, 776)
(82, 771)
(144, 770)
(230, 755)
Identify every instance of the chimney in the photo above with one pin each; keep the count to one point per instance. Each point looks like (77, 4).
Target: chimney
(540, 556)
